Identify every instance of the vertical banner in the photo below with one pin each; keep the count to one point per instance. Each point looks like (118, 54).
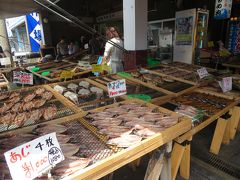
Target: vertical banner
(34, 30)
(222, 9)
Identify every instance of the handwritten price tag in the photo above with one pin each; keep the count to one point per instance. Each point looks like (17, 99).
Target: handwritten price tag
(97, 68)
(20, 77)
(117, 88)
(66, 74)
(226, 84)
(31, 159)
(202, 72)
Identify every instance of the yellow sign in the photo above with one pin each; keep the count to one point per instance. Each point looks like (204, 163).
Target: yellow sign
(224, 53)
(66, 74)
(107, 68)
(210, 44)
(97, 68)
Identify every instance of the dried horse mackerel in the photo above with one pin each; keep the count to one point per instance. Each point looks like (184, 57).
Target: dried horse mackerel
(130, 119)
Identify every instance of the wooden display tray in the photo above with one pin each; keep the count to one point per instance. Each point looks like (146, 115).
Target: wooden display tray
(153, 71)
(81, 106)
(162, 89)
(65, 108)
(102, 83)
(56, 67)
(125, 156)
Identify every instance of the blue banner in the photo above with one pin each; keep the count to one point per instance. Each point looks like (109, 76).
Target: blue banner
(34, 30)
(223, 9)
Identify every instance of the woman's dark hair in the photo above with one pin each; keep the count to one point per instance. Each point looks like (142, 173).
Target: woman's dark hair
(112, 32)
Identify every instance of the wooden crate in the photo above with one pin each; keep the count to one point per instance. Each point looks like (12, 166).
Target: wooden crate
(167, 85)
(64, 109)
(133, 87)
(56, 68)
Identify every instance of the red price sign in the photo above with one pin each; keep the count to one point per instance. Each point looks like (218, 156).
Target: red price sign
(31, 159)
(117, 88)
(20, 77)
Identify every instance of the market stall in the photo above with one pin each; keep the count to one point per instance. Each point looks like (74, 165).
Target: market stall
(56, 71)
(97, 152)
(203, 109)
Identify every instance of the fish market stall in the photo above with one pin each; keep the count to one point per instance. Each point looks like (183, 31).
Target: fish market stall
(160, 83)
(134, 89)
(93, 150)
(29, 106)
(57, 71)
(203, 108)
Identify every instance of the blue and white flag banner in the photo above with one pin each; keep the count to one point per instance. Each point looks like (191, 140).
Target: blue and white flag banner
(34, 30)
(223, 9)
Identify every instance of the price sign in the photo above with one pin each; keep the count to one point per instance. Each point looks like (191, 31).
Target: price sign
(202, 72)
(97, 68)
(66, 74)
(226, 84)
(34, 158)
(223, 9)
(117, 88)
(20, 77)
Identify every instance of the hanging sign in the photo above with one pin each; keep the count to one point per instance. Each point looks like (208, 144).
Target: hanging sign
(223, 9)
(34, 158)
(117, 88)
(20, 77)
(202, 72)
(226, 84)
(34, 29)
(66, 74)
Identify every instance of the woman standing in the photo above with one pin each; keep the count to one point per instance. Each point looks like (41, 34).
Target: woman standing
(113, 56)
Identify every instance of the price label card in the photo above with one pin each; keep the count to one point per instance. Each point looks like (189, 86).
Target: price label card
(20, 77)
(31, 159)
(226, 84)
(117, 88)
(97, 68)
(202, 72)
(66, 74)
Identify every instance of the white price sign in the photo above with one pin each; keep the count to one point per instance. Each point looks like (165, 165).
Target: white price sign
(117, 88)
(202, 72)
(226, 84)
(20, 77)
(31, 159)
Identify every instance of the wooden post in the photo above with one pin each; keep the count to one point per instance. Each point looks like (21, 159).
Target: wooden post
(166, 171)
(218, 135)
(155, 165)
(177, 155)
(226, 136)
(235, 120)
(238, 126)
(185, 163)
(135, 164)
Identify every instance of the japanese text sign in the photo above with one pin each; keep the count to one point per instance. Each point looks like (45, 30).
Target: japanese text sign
(226, 84)
(31, 159)
(97, 68)
(202, 72)
(20, 77)
(117, 88)
(66, 74)
(222, 9)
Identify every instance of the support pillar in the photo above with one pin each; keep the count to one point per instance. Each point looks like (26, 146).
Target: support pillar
(135, 33)
(4, 42)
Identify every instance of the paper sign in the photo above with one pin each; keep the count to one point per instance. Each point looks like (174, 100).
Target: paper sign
(223, 9)
(20, 77)
(66, 74)
(117, 88)
(34, 158)
(97, 68)
(226, 84)
(202, 72)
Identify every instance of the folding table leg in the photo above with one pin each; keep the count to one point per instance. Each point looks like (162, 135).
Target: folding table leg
(185, 163)
(235, 121)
